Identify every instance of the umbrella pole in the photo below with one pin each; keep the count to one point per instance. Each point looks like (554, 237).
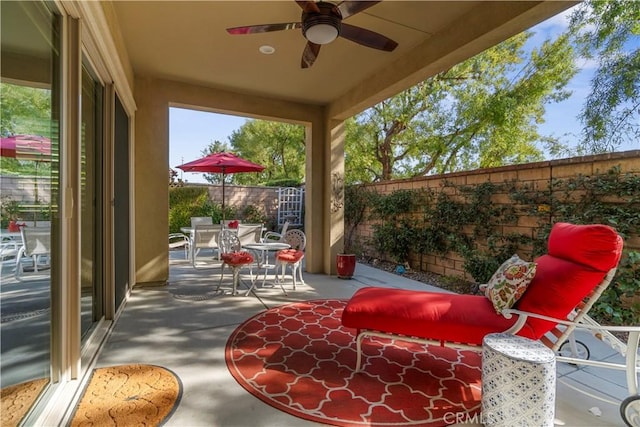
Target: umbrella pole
(37, 202)
(223, 218)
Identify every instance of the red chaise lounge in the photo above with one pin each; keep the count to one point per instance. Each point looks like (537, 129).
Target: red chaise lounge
(579, 265)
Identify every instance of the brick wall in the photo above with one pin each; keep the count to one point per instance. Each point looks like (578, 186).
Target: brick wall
(23, 188)
(239, 197)
(532, 176)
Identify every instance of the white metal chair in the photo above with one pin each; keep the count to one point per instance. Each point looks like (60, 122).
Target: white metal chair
(291, 257)
(36, 249)
(204, 237)
(273, 236)
(180, 240)
(233, 256)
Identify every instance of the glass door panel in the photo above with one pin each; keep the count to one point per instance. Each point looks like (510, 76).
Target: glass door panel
(29, 128)
(90, 197)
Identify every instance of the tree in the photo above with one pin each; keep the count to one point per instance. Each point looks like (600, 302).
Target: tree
(280, 147)
(25, 110)
(482, 112)
(609, 32)
(216, 147)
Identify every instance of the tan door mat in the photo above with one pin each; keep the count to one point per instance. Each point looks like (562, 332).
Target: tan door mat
(17, 400)
(128, 395)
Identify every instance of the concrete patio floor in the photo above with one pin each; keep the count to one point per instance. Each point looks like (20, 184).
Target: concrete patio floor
(183, 328)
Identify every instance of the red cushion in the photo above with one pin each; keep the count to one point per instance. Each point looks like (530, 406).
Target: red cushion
(237, 258)
(596, 246)
(289, 255)
(556, 289)
(233, 224)
(433, 315)
(578, 259)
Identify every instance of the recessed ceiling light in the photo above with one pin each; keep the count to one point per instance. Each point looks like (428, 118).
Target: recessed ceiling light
(267, 50)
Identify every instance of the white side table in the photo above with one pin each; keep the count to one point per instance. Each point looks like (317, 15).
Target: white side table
(518, 382)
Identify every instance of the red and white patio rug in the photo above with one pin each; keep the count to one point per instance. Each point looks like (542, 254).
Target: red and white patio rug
(299, 359)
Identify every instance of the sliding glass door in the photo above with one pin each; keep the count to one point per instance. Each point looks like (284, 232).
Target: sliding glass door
(29, 171)
(91, 284)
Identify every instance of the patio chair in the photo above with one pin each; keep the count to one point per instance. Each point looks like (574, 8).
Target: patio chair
(291, 257)
(272, 236)
(204, 237)
(180, 240)
(9, 249)
(35, 250)
(249, 233)
(579, 265)
(234, 257)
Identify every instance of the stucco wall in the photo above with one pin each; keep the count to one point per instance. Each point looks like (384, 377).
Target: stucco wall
(535, 176)
(151, 161)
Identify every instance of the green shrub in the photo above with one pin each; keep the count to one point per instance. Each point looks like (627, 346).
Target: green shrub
(625, 284)
(482, 266)
(394, 239)
(185, 202)
(356, 201)
(253, 214)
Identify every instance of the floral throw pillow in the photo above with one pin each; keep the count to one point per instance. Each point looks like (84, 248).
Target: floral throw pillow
(509, 282)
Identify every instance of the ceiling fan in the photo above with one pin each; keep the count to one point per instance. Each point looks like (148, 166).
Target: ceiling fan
(321, 23)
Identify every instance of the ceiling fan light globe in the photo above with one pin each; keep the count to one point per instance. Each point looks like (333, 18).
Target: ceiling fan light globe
(321, 33)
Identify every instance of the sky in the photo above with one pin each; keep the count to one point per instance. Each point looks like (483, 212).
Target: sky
(190, 131)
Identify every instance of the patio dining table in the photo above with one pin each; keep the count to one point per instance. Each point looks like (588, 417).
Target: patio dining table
(263, 260)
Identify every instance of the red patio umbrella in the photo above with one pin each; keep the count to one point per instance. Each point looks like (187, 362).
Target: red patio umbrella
(224, 163)
(27, 147)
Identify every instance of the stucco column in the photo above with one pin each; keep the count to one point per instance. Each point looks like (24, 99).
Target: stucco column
(324, 196)
(334, 182)
(313, 197)
(151, 157)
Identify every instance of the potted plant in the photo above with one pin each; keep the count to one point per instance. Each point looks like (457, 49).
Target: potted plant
(346, 260)
(356, 202)
(346, 265)
(10, 215)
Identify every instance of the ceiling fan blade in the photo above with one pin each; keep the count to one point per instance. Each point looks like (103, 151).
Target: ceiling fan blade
(367, 38)
(309, 54)
(265, 28)
(348, 8)
(308, 4)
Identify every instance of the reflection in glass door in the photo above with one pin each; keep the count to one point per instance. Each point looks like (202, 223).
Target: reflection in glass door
(91, 197)
(29, 127)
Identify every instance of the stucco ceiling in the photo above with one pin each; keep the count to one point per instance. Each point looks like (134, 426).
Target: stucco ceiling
(187, 42)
